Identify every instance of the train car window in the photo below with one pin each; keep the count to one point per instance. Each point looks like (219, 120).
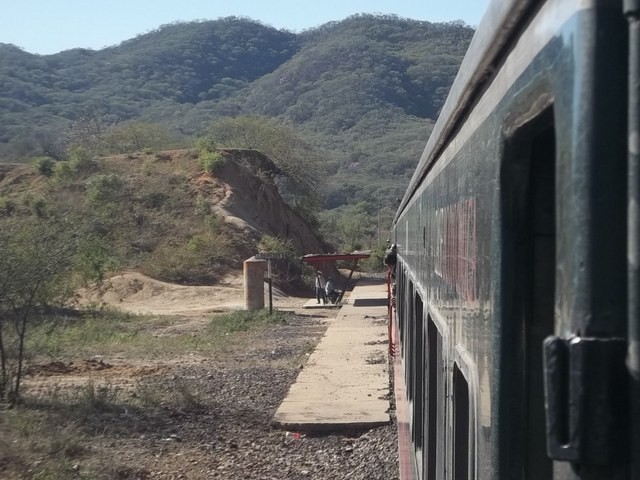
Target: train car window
(529, 290)
(418, 402)
(399, 304)
(410, 342)
(400, 307)
(539, 316)
(434, 391)
(460, 425)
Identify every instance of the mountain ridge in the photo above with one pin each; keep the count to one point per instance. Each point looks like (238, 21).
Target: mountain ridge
(365, 90)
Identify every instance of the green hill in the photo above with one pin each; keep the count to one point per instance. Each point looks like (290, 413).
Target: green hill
(363, 92)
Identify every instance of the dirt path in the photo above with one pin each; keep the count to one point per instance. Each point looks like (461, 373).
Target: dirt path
(136, 293)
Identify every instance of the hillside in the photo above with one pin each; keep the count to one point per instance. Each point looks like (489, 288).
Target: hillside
(162, 215)
(364, 91)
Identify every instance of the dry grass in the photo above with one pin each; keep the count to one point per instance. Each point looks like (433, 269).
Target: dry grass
(63, 419)
(152, 209)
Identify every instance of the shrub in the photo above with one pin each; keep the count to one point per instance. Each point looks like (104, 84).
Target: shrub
(62, 171)
(288, 270)
(203, 206)
(129, 137)
(94, 258)
(197, 261)
(44, 166)
(276, 245)
(154, 199)
(81, 161)
(7, 207)
(40, 208)
(211, 161)
(105, 188)
(374, 264)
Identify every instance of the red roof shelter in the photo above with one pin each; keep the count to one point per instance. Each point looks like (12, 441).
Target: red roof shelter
(318, 260)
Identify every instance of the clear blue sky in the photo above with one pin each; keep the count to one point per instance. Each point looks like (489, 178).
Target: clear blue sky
(50, 26)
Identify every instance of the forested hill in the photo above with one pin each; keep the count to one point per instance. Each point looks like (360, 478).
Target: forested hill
(365, 90)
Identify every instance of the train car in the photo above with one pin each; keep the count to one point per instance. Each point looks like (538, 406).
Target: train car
(515, 275)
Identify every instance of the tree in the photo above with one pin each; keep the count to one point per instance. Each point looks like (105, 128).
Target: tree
(288, 269)
(87, 131)
(128, 137)
(284, 146)
(34, 271)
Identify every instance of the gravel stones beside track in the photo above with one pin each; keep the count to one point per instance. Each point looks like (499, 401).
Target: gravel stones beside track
(224, 430)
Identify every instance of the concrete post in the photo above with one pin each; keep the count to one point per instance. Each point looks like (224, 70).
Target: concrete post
(254, 283)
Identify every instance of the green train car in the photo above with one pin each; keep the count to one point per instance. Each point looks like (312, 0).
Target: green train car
(515, 290)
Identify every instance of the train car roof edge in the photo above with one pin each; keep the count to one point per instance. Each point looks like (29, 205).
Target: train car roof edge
(499, 20)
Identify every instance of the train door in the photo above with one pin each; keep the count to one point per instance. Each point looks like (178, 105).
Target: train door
(528, 290)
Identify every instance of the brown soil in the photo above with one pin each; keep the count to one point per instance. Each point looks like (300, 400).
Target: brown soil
(136, 293)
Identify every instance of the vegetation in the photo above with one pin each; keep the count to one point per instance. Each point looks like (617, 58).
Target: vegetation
(34, 272)
(94, 332)
(288, 269)
(210, 161)
(364, 92)
(86, 414)
(282, 144)
(342, 111)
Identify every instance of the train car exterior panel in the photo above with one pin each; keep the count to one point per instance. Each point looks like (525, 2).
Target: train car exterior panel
(489, 262)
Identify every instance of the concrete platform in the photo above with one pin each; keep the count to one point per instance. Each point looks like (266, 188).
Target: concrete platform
(313, 304)
(345, 383)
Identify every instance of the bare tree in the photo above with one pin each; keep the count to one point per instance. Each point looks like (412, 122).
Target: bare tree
(37, 258)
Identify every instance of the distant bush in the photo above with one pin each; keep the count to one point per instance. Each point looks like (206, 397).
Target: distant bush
(198, 261)
(40, 208)
(81, 161)
(203, 206)
(44, 166)
(210, 161)
(288, 270)
(94, 258)
(203, 244)
(374, 264)
(105, 188)
(269, 244)
(214, 223)
(154, 199)
(26, 204)
(7, 207)
(62, 171)
(136, 136)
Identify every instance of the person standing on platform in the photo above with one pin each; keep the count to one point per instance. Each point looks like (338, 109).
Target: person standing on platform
(320, 284)
(330, 293)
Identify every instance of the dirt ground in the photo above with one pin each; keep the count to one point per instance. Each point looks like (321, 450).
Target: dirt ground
(136, 293)
(213, 415)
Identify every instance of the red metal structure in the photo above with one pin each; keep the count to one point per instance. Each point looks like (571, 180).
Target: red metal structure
(320, 260)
